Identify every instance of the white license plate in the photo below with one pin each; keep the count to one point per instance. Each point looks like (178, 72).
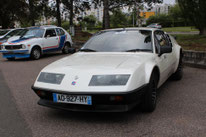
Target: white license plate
(72, 99)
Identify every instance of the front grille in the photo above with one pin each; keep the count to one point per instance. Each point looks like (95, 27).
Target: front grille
(13, 47)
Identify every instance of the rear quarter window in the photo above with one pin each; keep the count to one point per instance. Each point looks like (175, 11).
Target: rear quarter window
(60, 32)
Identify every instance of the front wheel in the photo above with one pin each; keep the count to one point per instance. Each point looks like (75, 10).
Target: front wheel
(150, 96)
(35, 53)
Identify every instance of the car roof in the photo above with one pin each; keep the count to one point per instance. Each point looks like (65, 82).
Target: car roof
(132, 28)
(42, 27)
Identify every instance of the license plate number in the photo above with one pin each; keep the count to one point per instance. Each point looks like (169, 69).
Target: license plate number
(72, 99)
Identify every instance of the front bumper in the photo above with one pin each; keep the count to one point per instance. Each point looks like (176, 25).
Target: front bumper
(101, 102)
(15, 53)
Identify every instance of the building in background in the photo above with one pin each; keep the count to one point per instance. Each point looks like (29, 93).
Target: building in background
(156, 10)
(162, 9)
(96, 11)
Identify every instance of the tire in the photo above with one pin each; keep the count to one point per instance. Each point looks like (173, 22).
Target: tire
(179, 72)
(35, 53)
(65, 50)
(150, 96)
(10, 59)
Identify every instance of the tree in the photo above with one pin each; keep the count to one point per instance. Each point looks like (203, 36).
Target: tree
(138, 5)
(196, 12)
(31, 12)
(75, 6)
(118, 19)
(109, 5)
(90, 21)
(10, 11)
(58, 14)
(164, 20)
(177, 16)
(38, 8)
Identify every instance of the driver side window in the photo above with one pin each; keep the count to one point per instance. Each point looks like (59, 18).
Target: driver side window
(160, 40)
(50, 33)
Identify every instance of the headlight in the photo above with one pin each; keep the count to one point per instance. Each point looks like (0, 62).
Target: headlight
(23, 46)
(51, 78)
(109, 80)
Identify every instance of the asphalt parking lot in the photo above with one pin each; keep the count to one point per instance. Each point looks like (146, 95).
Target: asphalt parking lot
(181, 108)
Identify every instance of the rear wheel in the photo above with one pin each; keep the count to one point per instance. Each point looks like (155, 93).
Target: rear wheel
(179, 72)
(150, 97)
(35, 53)
(10, 59)
(65, 50)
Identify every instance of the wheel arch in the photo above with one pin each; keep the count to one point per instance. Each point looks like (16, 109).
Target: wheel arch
(36, 46)
(179, 54)
(67, 42)
(154, 69)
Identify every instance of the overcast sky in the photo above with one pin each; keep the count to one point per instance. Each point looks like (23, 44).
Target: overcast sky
(169, 1)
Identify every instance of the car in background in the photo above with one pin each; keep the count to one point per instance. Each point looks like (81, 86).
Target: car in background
(37, 41)
(155, 25)
(12, 35)
(114, 71)
(3, 32)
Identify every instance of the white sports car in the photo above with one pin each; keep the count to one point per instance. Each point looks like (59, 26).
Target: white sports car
(114, 71)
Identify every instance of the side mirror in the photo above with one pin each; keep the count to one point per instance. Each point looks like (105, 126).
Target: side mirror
(175, 37)
(165, 49)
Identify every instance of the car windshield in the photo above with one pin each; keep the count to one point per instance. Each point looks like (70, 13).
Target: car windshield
(120, 41)
(3, 32)
(17, 32)
(34, 33)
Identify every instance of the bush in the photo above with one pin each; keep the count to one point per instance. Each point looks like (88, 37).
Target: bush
(163, 19)
(65, 25)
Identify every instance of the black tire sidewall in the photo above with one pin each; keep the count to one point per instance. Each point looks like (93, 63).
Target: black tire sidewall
(148, 104)
(66, 45)
(32, 53)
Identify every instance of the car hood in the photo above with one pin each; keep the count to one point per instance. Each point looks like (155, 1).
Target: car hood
(16, 40)
(84, 65)
(101, 61)
(3, 40)
(13, 38)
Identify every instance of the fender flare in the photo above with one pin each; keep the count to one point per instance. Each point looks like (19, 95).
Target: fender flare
(149, 69)
(35, 45)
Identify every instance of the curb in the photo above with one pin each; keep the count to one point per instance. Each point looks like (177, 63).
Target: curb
(195, 59)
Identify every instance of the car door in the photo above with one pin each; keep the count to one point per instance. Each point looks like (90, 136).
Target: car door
(51, 40)
(165, 60)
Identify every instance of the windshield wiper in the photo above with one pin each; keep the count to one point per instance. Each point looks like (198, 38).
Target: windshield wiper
(139, 50)
(87, 50)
